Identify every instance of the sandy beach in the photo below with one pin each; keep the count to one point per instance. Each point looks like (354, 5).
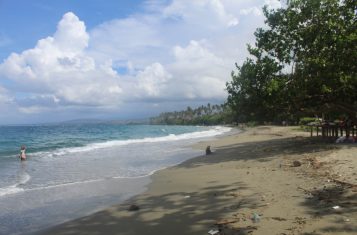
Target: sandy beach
(266, 180)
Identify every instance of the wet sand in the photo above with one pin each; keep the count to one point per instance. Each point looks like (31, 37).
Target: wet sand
(248, 185)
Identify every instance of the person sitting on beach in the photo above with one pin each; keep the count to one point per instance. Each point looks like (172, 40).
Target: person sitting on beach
(22, 153)
(208, 150)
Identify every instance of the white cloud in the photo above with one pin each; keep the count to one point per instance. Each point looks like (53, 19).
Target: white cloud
(199, 72)
(206, 13)
(252, 10)
(196, 58)
(33, 109)
(273, 4)
(71, 35)
(181, 51)
(60, 65)
(153, 80)
(5, 96)
(122, 40)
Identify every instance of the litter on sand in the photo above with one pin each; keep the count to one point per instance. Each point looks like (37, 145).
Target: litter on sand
(255, 218)
(213, 231)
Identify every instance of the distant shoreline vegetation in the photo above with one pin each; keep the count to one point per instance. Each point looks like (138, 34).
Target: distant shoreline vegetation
(203, 115)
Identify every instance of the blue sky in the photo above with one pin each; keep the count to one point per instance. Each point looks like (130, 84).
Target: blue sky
(23, 22)
(69, 59)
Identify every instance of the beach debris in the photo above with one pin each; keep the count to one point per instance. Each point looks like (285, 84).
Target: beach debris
(346, 219)
(300, 220)
(296, 163)
(233, 194)
(208, 150)
(315, 163)
(336, 207)
(213, 231)
(133, 207)
(255, 218)
(279, 218)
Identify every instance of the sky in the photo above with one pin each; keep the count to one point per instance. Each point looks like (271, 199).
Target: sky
(115, 59)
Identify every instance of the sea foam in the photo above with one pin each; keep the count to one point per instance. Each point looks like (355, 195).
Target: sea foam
(23, 179)
(218, 130)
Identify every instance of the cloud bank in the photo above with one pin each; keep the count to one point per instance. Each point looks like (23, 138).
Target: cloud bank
(179, 52)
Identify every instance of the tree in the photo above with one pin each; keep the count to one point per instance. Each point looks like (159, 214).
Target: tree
(304, 63)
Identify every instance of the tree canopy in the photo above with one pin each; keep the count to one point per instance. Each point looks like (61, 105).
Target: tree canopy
(304, 62)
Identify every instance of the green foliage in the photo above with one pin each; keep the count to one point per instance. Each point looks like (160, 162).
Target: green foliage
(251, 124)
(203, 115)
(306, 120)
(303, 63)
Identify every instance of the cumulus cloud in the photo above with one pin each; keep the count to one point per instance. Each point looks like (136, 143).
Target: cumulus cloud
(252, 10)
(206, 13)
(181, 51)
(273, 4)
(71, 35)
(196, 42)
(196, 59)
(153, 80)
(59, 66)
(133, 38)
(201, 72)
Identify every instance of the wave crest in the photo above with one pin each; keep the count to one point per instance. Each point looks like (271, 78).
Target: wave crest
(113, 143)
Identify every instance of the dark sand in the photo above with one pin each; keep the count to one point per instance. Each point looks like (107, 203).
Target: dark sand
(247, 186)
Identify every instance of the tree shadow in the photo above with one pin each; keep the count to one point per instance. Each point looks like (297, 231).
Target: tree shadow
(338, 202)
(266, 150)
(171, 213)
(179, 213)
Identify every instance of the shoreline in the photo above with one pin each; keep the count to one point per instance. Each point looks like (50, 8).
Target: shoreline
(101, 179)
(246, 186)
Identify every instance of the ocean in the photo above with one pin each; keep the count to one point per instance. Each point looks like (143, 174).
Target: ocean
(76, 169)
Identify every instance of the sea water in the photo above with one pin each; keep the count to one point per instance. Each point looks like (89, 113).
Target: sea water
(75, 169)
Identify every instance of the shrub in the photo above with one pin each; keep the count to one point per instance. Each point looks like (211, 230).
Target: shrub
(306, 120)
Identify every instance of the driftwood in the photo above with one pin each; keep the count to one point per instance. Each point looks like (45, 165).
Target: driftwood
(279, 218)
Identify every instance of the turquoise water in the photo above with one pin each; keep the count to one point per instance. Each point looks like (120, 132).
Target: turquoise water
(73, 169)
(39, 138)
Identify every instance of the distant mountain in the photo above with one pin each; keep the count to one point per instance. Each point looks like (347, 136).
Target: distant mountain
(96, 121)
(83, 121)
(131, 121)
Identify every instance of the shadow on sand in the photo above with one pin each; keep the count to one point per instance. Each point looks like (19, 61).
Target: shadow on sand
(164, 214)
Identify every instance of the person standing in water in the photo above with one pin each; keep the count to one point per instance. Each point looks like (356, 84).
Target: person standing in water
(22, 153)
